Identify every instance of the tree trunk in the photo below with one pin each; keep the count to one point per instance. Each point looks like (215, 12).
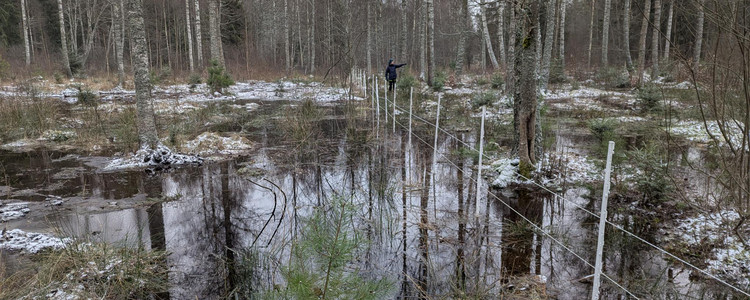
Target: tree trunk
(501, 32)
(215, 31)
(549, 37)
(189, 36)
(512, 38)
(369, 37)
(144, 107)
(525, 100)
(563, 9)
(591, 33)
(63, 40)
(423, 42)
(655, 36)
(699, 34)
(25, 21)
(287, 58)
(626, 36)
(404, 32)
(487, 40)
(642, 41)
(605, 32)
(198, 34)
(312, 39)
(431, 40)
(463, 27)
(119, 37)
(668, 36)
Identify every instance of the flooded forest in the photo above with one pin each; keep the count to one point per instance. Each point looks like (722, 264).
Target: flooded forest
(374, 149)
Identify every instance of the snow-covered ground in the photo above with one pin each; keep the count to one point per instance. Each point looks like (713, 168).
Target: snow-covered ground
(211, 144)
(696, 131)
(29, 242)
(13, 211)
(730, 259)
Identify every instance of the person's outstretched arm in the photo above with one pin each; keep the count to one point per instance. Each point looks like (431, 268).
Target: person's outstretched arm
(401, 65)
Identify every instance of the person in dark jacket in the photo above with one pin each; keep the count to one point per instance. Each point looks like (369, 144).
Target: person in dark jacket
(390, 73)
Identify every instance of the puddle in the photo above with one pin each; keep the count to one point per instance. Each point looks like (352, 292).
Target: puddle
(421, 231)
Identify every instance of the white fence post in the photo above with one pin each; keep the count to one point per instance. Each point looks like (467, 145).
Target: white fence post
(602, 224)
(479, 167)
(435, 150)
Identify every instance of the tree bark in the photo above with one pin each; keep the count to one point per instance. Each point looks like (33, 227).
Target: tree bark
(642, 42)
(561, 47)
(119, 36)
(591, 33)
(198, 34)
(404, 32)
(369, 37)
(464, 28)
(144, 107)
(287, 58)
(668, 36)
(549, 37)
(699, 34)
(25, 24)
(501, 32)
(63, 40)
(605, 32)
(525, 100)
(312, 39)
(431, 40)
(655, 36)
(189, 35)
(423, 42)
(214, 29)
(626, 37)
(487, 40)
(512, 38)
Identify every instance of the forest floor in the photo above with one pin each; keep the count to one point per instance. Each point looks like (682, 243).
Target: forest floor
(660, 166)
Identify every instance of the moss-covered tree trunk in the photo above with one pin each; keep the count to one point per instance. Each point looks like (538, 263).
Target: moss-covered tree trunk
(146, 126)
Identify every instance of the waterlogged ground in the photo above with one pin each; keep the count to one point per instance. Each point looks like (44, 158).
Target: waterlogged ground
(418, 220)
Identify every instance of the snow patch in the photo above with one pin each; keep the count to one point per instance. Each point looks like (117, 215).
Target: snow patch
(504, 172)
(13, 211)
(29, 242)
(209, 143)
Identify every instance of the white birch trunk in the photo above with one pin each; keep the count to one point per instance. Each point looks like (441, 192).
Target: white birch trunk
(25, 21)
(655, 37)
(605, 32)
(215, 32)
(119, 37)
(561, 47)
(548, 43)
(501, 32)
(431, 39)
(198, 34)
(512, 37)
(423, 42)
(591, 34)
(487, 40)
(404, 32)
(312, 39)
(287, 58)
(369, 37)
(63, 40)
(699, 34)
(189, 35)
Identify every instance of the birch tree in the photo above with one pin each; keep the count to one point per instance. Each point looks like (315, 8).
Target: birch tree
(642, 42)
(626, 36)
(486, 34)
(464, 27)
(198, 33)
(63, 40)
(189, 35)
(591, 34)
(404, 31)
(501, 32)
(312, 38)
(512, 38)
(431, 40)
(144, 109)
(549, 38)
(215, 31)
(287, 58)
(525, 100)
(369, 37)
(423, 41)
(699, 33)
(668, 36)
(561, 47)
(605, 32)
(119, 36)
(25, 24)
(655, 35)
